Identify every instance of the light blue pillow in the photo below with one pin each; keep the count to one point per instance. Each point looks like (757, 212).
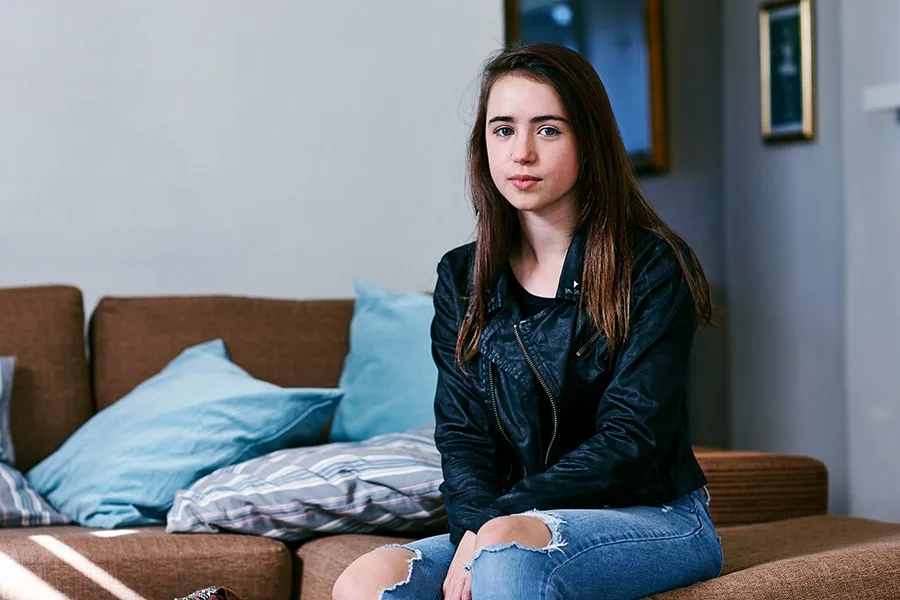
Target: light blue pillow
(389, 377)
(200, 413)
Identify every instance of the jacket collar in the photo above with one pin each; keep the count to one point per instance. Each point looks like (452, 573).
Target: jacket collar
(569, 287)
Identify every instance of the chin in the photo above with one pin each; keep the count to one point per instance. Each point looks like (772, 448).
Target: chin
(527, 202)
(532, 208)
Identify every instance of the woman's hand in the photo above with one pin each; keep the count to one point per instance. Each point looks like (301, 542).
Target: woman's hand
(458, 583)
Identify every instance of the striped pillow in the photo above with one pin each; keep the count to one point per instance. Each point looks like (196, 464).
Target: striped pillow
(388, 483)
(7, 369)
(20, 506)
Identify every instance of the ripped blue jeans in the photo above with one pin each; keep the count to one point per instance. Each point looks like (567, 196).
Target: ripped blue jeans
(608, 553)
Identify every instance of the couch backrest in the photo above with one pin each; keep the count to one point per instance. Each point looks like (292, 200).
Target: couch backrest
(43, 327)
(297, 343)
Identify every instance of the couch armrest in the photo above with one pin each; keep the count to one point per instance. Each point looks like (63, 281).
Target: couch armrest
(756, 487)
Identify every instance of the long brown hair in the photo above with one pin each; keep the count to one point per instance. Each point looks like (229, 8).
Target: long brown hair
(611, 202)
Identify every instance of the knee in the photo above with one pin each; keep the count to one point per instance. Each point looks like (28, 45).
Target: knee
(371, 573)
(349, 584)
(526, 531)
(500, 530)
(506, 572)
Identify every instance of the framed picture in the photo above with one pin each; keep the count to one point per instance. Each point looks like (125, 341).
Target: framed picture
(623, 41)
(787, 64)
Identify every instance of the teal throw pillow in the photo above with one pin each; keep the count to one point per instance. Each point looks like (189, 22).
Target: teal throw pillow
(200, 413)
(389, 377)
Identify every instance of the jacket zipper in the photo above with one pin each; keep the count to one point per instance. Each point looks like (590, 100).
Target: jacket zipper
(497, 416)
(546, 389)
(587, 344)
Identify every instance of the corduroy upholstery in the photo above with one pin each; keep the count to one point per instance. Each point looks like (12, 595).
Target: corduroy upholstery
(286, 342)
(43, 327)
(147, 562)
(810, 558)
(802, 554)
(814, 558)
(755, 487)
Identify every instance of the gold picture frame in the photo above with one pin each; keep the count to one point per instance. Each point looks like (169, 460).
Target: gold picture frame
(787, 71)
(651, 155)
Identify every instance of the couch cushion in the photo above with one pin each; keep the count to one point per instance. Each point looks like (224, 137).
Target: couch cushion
(815, 558)
(322, 560)
(43, 327)
(291, 343)
(148, 562)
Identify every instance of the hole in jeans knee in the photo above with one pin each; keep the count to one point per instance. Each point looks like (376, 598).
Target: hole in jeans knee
(412, 555)
(554, 524)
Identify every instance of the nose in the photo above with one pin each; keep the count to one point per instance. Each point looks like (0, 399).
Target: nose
(523, 151)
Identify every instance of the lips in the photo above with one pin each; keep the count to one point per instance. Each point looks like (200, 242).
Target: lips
(524, 182)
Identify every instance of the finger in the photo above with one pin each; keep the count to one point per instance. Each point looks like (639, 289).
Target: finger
(466, 593)
(455, 590)
(449, 585)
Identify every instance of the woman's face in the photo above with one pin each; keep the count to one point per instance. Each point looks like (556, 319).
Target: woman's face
(531, 149)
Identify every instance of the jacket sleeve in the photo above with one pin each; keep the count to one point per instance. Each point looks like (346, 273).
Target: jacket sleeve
(461, 423)
(638, 415)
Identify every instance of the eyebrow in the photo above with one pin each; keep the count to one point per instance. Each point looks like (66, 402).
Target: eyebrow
(538, 119)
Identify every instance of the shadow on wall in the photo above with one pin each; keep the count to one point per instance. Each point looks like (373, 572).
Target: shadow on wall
(707, 385)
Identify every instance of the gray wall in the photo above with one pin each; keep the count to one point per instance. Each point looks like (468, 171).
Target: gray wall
(784, 227)
(221, 146)
(689, 196)
(241, 156)
(871, 172)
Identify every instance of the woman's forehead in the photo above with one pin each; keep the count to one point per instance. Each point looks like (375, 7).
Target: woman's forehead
(523, 97)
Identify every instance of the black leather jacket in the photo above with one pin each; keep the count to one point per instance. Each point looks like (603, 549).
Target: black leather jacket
(615, 433)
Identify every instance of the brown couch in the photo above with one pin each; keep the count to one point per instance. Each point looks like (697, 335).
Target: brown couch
(770, 509)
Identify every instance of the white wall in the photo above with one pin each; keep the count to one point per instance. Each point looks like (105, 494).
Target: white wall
(270, 148)
(871, 171)
(784, 228)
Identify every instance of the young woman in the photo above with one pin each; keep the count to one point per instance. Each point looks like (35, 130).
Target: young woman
(561, 337)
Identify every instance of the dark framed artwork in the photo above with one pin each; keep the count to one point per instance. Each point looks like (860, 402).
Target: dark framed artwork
(787, 65)
(623, 40)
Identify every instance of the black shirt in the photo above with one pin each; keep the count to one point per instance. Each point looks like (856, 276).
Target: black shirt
(529, 304)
